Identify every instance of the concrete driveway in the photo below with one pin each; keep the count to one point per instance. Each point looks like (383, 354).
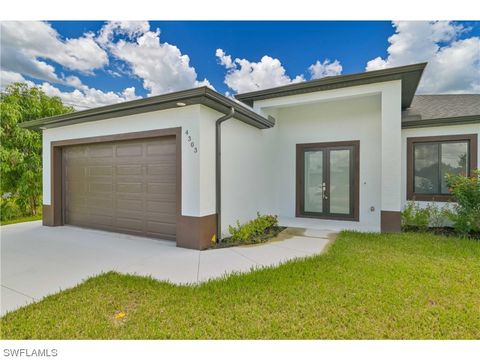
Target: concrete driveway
(37, 261)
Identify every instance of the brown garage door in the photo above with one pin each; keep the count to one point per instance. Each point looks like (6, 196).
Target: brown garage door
(126, 186)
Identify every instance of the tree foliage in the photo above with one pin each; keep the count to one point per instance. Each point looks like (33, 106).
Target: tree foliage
(21, 149)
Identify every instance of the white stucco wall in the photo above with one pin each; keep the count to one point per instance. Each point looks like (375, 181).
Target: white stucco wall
(365, 113)
(244, 172)
(197, 174)
(432, 131)
(391, 140)
(258, 166)
(207, 160)
(339, 120)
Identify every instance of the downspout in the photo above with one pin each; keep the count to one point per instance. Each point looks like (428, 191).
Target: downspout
(218, 169)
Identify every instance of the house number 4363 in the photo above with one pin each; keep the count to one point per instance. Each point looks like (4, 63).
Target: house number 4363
(190, 141)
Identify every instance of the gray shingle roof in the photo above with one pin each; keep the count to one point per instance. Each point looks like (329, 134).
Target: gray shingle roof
(429, 108)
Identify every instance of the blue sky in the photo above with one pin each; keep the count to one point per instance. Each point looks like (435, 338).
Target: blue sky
(273, 53)
(297, 44)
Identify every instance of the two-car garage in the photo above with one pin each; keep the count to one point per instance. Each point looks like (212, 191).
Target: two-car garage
(123, 186)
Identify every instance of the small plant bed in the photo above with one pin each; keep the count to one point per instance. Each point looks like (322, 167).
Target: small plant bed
(259, 230)
(460, 217)
(228, 242)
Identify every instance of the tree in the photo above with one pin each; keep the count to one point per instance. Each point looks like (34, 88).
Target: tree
(21, 149)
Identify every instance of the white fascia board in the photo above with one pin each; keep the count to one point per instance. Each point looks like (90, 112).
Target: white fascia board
(324, 95)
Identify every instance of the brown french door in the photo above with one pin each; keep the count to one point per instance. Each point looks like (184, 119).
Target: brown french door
(327, 180)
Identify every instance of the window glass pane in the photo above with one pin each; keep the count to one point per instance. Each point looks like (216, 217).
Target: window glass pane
(426, 177)
(340, 181)
(454, 161)
(313, 181)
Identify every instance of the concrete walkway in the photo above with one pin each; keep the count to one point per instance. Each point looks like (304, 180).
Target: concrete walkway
(37, 261)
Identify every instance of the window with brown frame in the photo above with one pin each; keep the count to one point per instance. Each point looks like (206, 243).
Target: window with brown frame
(430, 159)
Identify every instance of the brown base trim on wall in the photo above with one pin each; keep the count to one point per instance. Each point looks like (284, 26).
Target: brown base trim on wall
(47, 215)
(196, 232)
(390, 221)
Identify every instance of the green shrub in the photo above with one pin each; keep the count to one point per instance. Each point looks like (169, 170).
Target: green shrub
(9, 209)
(466, 193)
(438, 215)
(255, 231)
(418, 218)
(415, 217)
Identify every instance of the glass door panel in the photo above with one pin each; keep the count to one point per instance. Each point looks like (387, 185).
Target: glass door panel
(314, 182)
(340, 181)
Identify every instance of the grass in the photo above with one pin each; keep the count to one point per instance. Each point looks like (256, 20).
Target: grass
(20, 220)
(368, 286)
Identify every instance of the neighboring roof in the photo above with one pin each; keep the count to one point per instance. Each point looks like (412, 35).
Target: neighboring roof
(202, 95)
(410, 76)
(428, 110)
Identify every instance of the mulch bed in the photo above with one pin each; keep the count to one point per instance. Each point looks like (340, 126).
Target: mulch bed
(269, 234)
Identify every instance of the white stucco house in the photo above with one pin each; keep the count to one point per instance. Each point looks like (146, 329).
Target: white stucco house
(341, 152)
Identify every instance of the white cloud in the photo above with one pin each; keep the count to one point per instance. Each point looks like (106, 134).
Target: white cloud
(161, 66)
(114, 73)
(75, 82)
(225, 60)
(244, 75)
(8, 77)
(325, 68)
(453, 64)
(13, 60)
(376, 64)
(131, 29)
(89, 97)
(26, 46)
(81, 98)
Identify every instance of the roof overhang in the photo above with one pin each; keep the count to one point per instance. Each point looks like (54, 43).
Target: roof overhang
(202, 95)
(417, 122)
(409, 75)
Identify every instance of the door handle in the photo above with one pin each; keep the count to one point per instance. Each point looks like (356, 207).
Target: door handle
(324, 191)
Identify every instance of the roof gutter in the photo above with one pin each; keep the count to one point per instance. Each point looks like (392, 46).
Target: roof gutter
(460, 120)
(197, 96)
(409, 75)
(218, 169)
(241, 111)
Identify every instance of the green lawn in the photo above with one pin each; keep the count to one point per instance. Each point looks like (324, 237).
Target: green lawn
(398, 286)
(22, 219)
